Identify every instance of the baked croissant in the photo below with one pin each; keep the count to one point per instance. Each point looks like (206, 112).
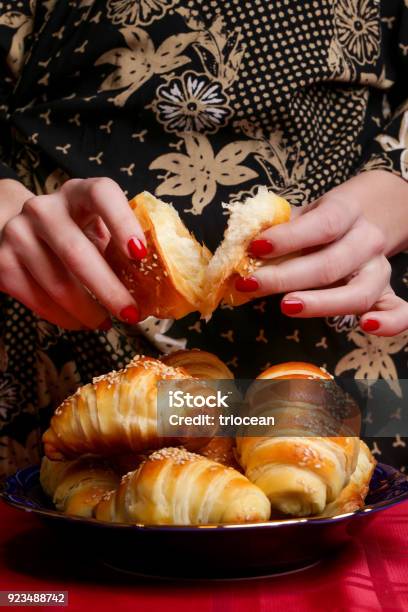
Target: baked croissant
(115, 414)
(175, 487)
(178, 275)
(308, 460)
(77, 486)
(168, 282)
(354, 493)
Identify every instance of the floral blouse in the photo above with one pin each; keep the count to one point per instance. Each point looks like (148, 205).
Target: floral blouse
(199, 102)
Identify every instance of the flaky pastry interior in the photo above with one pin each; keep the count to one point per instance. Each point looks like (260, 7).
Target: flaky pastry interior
(179, 275)
(247, 219)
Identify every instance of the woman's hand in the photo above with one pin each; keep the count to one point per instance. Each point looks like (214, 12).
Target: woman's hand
(340, 246)
(51, 254)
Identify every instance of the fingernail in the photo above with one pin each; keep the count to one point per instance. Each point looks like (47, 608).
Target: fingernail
(291, 307)
(246, 284)
(258, 248)
(136, 248)
(130, 315)
(370, 325)
(105, 325)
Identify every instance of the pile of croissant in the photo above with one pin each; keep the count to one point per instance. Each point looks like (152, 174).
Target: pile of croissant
(105, 459)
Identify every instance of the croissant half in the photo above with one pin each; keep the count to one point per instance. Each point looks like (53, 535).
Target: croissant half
(168, 282)
(116, 413)
(247, 219)
(179, 275)
(174, 486)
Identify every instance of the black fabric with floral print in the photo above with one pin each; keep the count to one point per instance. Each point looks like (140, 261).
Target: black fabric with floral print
(198, 101)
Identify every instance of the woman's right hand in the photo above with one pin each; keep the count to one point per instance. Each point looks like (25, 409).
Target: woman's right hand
(51, 254)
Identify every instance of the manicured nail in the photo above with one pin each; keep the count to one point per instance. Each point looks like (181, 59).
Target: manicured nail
(136, 248)
(259, 248)
(130, 315)
(291, 307)
(246, 284)
(370, 325)
(105, 325)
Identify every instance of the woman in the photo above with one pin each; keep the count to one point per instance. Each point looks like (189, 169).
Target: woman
(200, 102)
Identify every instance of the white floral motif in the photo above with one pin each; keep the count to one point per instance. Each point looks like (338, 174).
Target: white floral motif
(358, 30)
(192, 102)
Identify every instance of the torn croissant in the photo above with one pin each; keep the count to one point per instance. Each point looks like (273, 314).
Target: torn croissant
(179, 276)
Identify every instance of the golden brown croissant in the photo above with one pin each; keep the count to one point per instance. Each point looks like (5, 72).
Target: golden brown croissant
(178, 275)
(176, 487)
(168, 282)
(199, 364)
(354, 493)
(308, 460)
(115, 414)
(77, 486)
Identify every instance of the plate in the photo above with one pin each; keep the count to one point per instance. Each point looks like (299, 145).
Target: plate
(207, 551)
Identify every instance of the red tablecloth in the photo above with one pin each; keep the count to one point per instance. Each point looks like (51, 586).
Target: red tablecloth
(370, 574)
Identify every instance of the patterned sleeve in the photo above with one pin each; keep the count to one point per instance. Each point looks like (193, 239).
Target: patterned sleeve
(16, 25)
(389, 149)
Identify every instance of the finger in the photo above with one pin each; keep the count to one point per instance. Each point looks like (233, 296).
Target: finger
(356, 297)
(325, 266)
(17, 282)
(62, 287)
(80, 256)
(330, 220)
(388, 317)
(104, 197)
(97, 232)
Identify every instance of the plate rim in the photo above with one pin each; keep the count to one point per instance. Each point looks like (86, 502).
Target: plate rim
(279, 523)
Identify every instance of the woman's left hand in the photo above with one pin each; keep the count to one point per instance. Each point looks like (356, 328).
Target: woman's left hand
(340, 245)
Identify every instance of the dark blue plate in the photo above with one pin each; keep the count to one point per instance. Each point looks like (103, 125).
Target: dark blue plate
(208, 551)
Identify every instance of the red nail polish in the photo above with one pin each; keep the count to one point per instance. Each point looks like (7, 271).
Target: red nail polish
(370, 325)
(136, 248)
(291, 307)
(130, 315)
(105, 325)
(246, 284)
(259, 248)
